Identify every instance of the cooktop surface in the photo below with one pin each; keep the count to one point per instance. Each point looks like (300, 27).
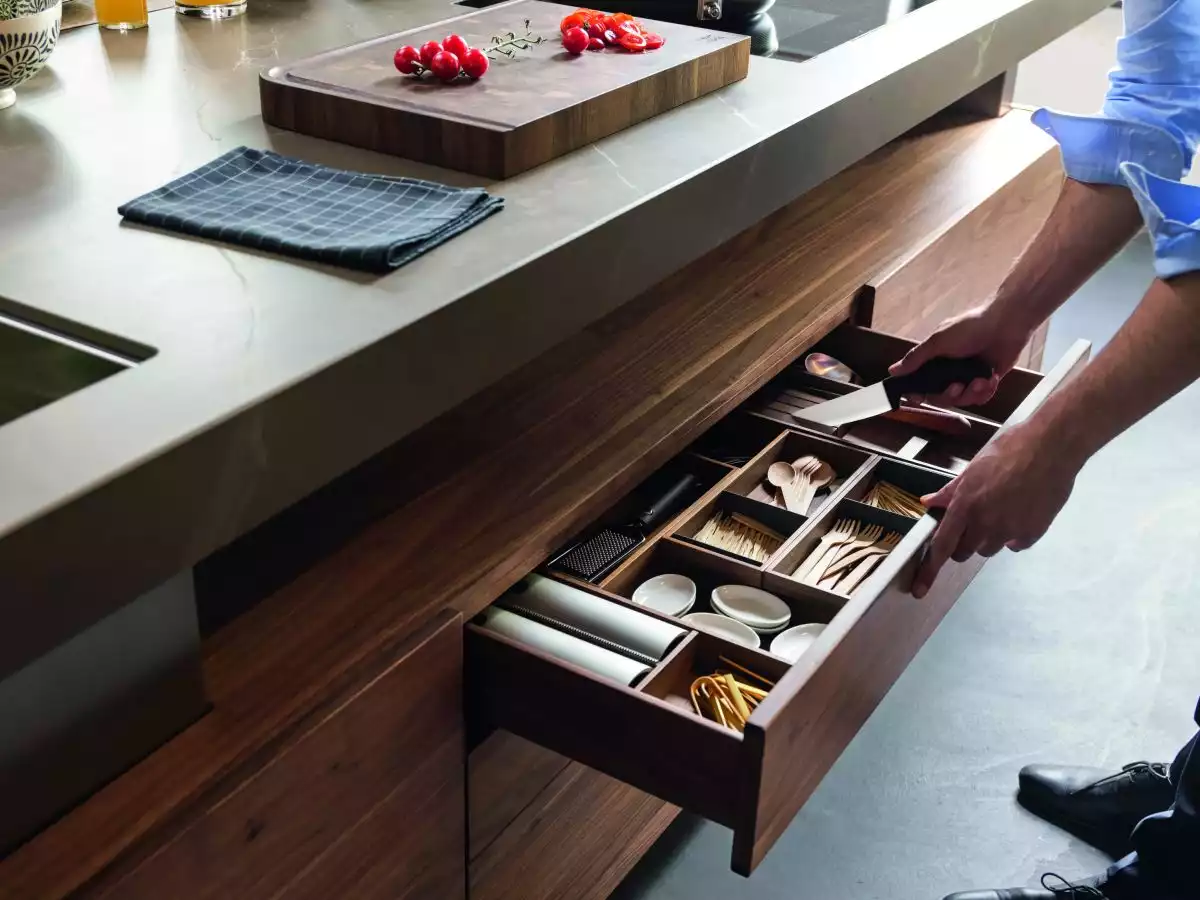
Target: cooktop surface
(805, 28)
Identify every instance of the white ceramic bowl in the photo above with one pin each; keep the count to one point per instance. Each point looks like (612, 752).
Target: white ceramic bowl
(724, 627)
(25, 45)
(672, 595)
(762, 611)
(791, 644)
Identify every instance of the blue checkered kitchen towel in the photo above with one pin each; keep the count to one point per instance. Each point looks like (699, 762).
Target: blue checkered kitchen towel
(270, 202)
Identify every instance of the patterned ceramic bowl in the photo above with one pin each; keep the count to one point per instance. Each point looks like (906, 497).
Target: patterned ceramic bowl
(16, 9)
(25, 45)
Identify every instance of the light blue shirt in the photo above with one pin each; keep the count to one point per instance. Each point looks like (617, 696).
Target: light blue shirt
(1146, 135)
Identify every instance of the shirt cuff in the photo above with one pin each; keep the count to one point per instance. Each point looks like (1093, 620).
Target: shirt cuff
(1172, 213)
(1094, 147)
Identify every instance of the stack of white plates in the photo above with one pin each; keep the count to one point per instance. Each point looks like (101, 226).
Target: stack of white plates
(762, 611)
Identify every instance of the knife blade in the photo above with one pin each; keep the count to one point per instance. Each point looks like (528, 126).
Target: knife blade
(884, 396)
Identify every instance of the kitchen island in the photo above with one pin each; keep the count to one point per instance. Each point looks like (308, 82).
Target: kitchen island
(353, 466)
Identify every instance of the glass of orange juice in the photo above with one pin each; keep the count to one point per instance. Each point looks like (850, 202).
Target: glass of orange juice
(121, 15)
(210, 9)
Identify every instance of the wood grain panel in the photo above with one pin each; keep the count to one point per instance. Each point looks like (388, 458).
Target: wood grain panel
(549, 448)
(409, 847)
(963, 266)
(379, 771)
(525, 111)
(504, 775)
(577, 841)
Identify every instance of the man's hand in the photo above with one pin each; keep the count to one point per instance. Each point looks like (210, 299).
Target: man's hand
(1007, 497)
(978, 332)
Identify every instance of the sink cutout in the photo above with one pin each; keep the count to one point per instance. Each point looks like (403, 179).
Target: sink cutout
(39, 365)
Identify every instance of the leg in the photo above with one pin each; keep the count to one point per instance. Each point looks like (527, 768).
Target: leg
(1168, 843)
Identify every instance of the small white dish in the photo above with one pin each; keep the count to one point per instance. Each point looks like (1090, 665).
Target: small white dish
(671, 595)
(791, 644)
(760, 610)
(723, 627)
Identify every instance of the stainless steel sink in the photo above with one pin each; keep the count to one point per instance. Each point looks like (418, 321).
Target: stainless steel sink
(39, 366)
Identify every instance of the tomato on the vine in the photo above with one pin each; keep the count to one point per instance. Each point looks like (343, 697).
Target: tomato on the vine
(456, 45)
(429, 50)
(445, 66)
(407, 59)
(475, 63)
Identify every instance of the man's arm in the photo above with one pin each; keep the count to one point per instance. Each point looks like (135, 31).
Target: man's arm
(1012, 491)
(1087, 225)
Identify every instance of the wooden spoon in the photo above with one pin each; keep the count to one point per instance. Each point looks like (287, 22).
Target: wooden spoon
(783, 476)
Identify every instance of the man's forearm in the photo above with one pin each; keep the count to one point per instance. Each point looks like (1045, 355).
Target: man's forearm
(1154, 356)
(1087, 226)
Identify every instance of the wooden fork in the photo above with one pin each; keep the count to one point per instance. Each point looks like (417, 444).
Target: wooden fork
(806, 468)
(866, 565)
(879, 545)
(843, 531)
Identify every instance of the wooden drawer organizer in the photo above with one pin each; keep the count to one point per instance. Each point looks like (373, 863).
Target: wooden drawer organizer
(755, 782)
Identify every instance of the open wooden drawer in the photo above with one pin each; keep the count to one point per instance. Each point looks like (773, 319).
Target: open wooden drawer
(869, 353)
(649, 734)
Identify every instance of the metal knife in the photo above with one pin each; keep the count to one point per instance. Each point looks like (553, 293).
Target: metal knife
(932, 378)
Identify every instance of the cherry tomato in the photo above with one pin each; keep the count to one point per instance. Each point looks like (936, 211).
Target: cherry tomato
(407, 59)
(456, 45)
(475, 63)
(595, 29)
(576, 41)
(445, 66)
(654, 41)
(429, 51)
(621, 17)
(574, 20)
(607, 22)
(610, 37)
(596, 43)
(629, 28)
(634, 43)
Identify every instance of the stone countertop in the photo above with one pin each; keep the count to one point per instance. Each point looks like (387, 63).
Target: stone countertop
(270, 377)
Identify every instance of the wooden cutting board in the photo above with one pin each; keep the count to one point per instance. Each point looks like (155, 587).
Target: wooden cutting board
(523, 112)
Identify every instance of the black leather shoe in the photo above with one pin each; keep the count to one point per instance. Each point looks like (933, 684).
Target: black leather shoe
(1053, 888)
(1094, 804)
(1123, 881)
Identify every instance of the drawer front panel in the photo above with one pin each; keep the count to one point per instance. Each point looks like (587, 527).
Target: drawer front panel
(799, 738)
(339, 809)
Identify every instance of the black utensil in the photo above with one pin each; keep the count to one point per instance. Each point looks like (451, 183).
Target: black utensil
(593, 557)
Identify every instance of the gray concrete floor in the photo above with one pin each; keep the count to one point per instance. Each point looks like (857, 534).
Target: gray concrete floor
(1083, 649)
